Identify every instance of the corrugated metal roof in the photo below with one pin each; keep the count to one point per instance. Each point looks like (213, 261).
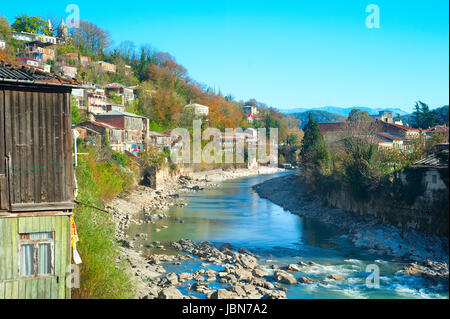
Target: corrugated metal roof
(439, 159)
(25, 74)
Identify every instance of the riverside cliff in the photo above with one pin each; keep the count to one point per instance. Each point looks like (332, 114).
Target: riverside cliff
(365, 230)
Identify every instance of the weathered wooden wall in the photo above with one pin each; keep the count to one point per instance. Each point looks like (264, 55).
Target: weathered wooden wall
(35, 132)
(11, 286)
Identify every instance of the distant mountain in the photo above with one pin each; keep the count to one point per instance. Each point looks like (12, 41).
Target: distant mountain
(344, 111)
(319, 116)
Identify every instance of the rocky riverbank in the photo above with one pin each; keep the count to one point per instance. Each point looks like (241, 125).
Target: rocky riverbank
(145, 205)
(429, 254)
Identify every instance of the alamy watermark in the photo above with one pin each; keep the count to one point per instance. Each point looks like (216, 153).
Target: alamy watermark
(73, 19)
(232, 146)
(373, 19)
(73, 276)
(373, 280)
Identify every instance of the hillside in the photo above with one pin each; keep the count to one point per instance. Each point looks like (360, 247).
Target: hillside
(343, 111)
(319, 116)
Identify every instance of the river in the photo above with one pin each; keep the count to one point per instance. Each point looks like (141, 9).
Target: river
(235, 214)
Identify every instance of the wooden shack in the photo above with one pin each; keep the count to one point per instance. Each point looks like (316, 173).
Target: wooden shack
(36, 183)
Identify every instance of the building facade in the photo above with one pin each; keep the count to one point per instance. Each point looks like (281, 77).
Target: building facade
(199, 110)
(36, 184)
(135, 129)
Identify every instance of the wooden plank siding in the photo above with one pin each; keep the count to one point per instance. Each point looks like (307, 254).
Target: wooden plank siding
(36, 133)
(4, 190)
(11, 285)
(36, 183)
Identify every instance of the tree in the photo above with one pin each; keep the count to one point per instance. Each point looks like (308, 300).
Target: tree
(25, 23)
(356, 115)
(90, 38)
(314, 152)
(5, 29)
(423, 117)
(292, 139)
(127, 49)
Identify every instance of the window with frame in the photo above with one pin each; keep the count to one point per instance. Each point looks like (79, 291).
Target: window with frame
(36, 254)
(434, 179)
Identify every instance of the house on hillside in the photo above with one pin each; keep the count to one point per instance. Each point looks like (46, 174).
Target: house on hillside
(386, 135)
(66, 70)
(35, 64)
(441, 130)
(136, 129)
(2, 44)
(83, 60)
(117, 89)
(112, 107)
(332, 132)
(435, 167)
(391, 141)
(96, 101)
(199, 110)
(159, 141)
(107, 67)
(406, 132)
(36, 184)
(94, 133)
(40, 51)
(250, 109)
(30, 37)
(385, 116)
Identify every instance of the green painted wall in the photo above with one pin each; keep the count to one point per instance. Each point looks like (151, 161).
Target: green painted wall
(11, 286)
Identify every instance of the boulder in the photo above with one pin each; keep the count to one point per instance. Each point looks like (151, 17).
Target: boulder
(293, 268)
(414, 269)
(221, 294)
(170, 293)
(172, 278)
(260, 273)
(242, 274)
(307, 280)
(336, 277)
(284, 277)
(226, 246)
(247, 261)
(238, 289)
(275, 294)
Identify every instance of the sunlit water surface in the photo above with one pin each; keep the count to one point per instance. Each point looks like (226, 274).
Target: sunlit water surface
(235, 214)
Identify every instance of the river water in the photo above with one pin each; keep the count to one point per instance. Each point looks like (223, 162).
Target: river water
(234, 213)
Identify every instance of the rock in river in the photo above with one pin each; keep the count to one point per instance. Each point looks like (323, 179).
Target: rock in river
(170, 293)
(284, 277)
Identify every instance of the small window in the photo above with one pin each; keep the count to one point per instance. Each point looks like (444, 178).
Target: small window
(36, 254)
(434, 179)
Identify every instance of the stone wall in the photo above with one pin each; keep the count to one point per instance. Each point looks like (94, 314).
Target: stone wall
(427, 212)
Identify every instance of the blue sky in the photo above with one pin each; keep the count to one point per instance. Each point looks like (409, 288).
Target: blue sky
(288, 54)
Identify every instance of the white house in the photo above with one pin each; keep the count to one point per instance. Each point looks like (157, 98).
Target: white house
(2, 44)
(198, 109)
(29, 37)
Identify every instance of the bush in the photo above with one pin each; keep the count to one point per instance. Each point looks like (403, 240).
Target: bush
(100, 277)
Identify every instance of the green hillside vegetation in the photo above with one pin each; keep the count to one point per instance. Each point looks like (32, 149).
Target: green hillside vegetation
(319, 116)
(424, 118)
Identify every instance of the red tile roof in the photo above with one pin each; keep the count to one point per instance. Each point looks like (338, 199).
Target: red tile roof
(437, 129)
(331, 127)
(389, 136)
(402, 127)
